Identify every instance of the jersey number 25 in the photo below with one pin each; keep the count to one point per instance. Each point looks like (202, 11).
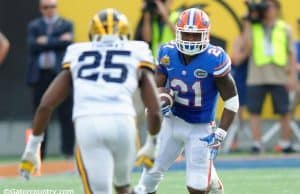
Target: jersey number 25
(89, 71)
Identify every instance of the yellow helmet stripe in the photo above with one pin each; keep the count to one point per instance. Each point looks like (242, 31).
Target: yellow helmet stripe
(110, 21)
(122, 29)
(99, 24)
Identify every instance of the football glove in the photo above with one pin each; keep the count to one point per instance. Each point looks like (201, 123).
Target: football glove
(165, 110)
(214, 141)
(30, 160)
(146, 154)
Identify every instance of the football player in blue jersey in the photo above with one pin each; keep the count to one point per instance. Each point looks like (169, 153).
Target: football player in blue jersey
(197, 72)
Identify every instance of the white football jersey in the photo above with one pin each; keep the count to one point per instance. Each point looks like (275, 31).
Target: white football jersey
(105, 75)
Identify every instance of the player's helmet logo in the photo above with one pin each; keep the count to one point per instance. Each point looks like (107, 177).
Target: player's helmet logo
(192, 31)
(109, 22)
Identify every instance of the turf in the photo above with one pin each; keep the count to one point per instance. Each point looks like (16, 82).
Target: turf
(258, 181)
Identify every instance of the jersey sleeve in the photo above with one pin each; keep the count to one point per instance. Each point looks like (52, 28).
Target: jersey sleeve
(161, 67)
(145, 57)
(223, 64)
(69, 57)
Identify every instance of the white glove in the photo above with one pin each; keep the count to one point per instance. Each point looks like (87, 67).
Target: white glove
(30, 160)
(214, 141)
(165, 110)
(147, 153)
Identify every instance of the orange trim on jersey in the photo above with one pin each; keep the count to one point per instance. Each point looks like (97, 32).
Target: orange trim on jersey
(222, 65)
(82, 172)
(147, 65)
(66, 66)
(225, 73)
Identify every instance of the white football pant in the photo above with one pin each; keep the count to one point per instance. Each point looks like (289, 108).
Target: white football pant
(106, 151)
(176, 135)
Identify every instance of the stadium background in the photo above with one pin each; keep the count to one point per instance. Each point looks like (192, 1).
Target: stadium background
(15, 103)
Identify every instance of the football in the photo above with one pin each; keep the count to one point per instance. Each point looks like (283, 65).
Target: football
(166, 96)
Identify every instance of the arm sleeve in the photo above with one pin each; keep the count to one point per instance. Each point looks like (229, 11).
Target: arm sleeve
(223, 66)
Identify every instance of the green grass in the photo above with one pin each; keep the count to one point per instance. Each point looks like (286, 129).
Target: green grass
(262, 181)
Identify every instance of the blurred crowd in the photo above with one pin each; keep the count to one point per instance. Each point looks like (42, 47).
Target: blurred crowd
(264, 58)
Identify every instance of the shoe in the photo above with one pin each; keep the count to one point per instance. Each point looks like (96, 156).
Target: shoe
(139, 189)
(288, 150)
(255, 150)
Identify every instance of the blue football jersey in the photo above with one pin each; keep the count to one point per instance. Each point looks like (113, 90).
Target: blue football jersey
(194, 85)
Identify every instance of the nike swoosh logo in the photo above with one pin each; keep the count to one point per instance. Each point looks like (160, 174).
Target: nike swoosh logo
(170, 69)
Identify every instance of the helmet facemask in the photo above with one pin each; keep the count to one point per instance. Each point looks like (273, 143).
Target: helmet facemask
(192, 31)
(192, 41)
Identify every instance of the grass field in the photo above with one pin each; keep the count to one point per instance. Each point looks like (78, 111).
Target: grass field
(250, 181)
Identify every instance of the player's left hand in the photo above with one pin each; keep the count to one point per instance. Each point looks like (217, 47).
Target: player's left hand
(214, 141)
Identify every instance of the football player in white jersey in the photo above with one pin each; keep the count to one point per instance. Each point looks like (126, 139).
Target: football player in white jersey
(104, 74)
